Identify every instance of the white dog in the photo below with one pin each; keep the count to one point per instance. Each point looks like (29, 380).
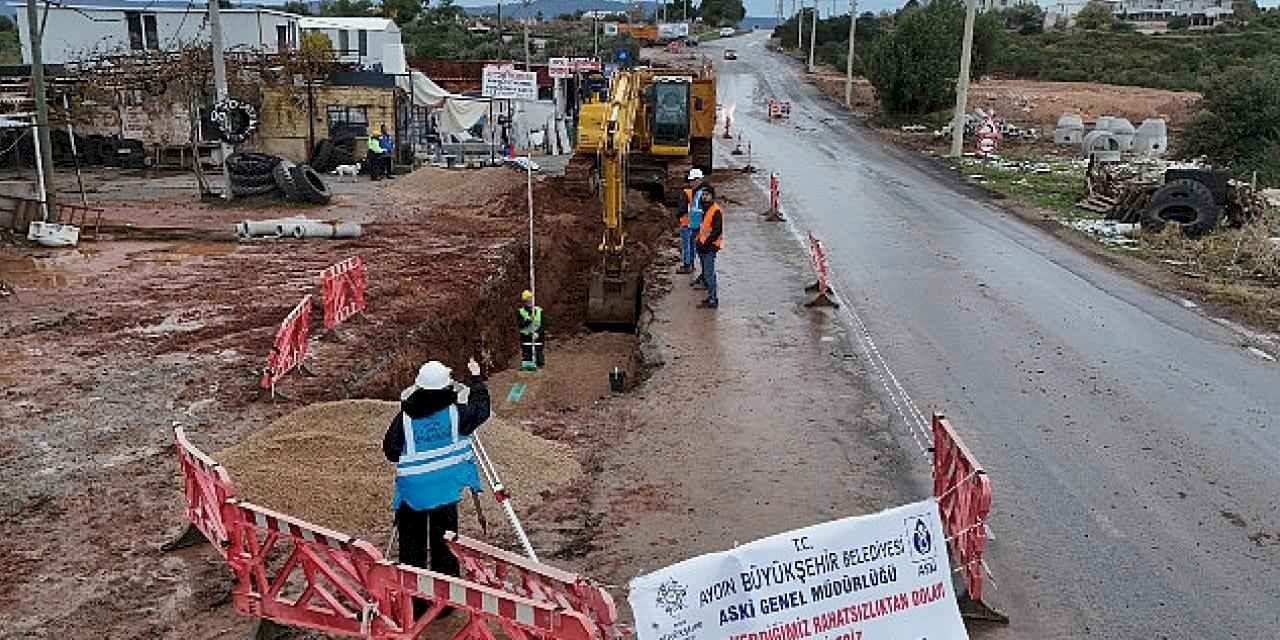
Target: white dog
(352, 170)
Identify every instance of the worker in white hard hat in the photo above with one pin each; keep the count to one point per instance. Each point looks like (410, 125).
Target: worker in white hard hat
(532, 341)
(429, 440)
(689, 226)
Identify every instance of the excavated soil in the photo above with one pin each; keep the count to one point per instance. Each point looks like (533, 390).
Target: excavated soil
(324, 464)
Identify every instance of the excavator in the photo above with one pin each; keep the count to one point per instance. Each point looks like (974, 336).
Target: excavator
(650, 128)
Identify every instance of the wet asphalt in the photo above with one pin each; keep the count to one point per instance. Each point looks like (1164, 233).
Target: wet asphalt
(1133, 442)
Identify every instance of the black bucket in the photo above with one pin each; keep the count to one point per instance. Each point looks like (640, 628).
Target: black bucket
(617, 380)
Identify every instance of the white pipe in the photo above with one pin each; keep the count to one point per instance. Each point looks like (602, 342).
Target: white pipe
(44, 196)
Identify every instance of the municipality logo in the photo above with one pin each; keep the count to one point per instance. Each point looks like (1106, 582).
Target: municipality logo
(671, 597)
(921, 538)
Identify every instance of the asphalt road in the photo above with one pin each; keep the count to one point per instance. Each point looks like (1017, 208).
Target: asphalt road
(1133, 442)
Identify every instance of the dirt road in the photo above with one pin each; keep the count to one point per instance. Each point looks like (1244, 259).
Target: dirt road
(1132, 440)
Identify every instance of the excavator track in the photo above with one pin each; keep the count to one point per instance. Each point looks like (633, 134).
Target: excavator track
(581, 177)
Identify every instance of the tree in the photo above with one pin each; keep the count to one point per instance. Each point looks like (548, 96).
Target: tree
(1246, 10)
(1239, 122)
(296, 7)
(1027, 19)
(402, 12)
(348, 9)
(722, 13)
(1094, 16)
(914, 66)
(315, 44)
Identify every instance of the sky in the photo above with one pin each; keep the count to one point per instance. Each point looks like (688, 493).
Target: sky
(766, 8)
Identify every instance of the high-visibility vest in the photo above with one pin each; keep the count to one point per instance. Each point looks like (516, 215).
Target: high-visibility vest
(436, 463)
(704, 230)
(375, 145)
(534, 319)
(694, 206)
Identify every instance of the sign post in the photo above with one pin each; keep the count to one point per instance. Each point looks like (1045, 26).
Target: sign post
(884, 575)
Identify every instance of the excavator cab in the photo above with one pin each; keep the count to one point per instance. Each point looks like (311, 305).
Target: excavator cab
(669, 100)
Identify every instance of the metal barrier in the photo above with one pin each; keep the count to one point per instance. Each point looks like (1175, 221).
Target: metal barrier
(500, 569)
(207, 488)
(963, 491)
(343, 287)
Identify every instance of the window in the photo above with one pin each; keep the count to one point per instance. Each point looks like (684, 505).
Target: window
(282, 37)
(134, 21)
(364, 43)
(344, 42)
(142, 31)
(344, 119)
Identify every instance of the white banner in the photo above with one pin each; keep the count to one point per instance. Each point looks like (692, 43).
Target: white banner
(566, 67)
(877, 577)
(672, 30)
(508, 83)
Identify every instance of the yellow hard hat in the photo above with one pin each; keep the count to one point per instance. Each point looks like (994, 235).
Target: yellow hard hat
(526, 295)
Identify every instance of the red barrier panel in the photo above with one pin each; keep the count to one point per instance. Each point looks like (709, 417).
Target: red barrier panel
(206, 487)
(822, 287)
(290, 345)
(343, 288)
(775, 202)
(500, 569)
(963, 491)
(297, 573)
(397, 586)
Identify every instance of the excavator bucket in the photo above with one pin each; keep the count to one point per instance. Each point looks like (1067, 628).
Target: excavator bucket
(614, 301)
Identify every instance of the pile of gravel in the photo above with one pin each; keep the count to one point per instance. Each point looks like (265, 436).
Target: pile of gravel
(324, 464)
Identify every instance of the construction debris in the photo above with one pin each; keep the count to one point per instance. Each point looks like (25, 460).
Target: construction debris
(1157, 192)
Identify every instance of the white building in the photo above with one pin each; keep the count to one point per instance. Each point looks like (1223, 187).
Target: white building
(357, 40)
(79, 32)
(1149, 13)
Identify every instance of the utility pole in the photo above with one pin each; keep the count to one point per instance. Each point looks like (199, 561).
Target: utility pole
(595, 33)
(848, 65)
(813, 35)
(800, 27)
(962, 83)
(44, 144)
(527, 4)
(219, 83)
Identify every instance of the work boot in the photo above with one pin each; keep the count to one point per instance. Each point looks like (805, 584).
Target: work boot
(699, 283)
(709, 304)
(685, 269)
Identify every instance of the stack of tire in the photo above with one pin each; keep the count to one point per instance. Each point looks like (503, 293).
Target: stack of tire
(261, 174)
(1191, 199)
(331, 152)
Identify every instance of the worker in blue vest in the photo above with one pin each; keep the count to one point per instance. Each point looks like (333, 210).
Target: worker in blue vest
(429, 440)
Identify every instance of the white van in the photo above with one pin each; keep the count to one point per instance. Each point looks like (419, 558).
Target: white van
(725, 32)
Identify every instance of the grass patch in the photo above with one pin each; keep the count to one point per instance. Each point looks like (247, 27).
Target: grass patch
(1053, 184)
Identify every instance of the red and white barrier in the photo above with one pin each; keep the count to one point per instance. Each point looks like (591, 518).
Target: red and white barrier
(775, 200)
(290, 345)
(396, 587)
(343, 288)
(779, 108)
(963, 491)
(207, 488)
(822, 287)
(297, 573)
(501, 569)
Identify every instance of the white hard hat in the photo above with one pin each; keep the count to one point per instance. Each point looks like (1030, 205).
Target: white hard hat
(432, 375)
(695, 174)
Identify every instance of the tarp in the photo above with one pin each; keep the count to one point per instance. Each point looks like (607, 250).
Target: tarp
(459, 113)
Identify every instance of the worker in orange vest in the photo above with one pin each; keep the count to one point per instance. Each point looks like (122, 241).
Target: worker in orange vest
(710, 237)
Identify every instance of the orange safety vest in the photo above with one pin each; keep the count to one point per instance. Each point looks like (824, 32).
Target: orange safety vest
(688, 201)
(704, 230)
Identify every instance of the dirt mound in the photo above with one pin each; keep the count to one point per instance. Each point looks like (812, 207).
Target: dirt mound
(324, 464)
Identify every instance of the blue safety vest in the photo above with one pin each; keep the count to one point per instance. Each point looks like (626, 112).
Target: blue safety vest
(695, 209)
(436, 464)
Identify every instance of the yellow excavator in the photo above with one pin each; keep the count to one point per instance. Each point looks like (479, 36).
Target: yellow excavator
(653, 125)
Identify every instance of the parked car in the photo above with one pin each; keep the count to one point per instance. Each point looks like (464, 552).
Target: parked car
(691, 41)
(725, 32)
(730, 54)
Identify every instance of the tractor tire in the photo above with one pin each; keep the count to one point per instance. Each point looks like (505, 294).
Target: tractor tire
(246, 191)
(1187, 203)
(247, 163)
(283, 175)
(253, 180)
(322, 155)
(310, 185)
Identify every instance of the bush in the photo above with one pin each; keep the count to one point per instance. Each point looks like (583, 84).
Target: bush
(1094, 16)
(1239, 125)
(913, 66)
(1179, 23)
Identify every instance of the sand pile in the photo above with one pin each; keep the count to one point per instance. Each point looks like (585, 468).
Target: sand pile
(324, 464)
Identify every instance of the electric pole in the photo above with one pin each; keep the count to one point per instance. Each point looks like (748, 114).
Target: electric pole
(813, 35)
(44, 144)
(962, 83)
(848, 65)
(219, 83)
(527, 4)
(800, 27)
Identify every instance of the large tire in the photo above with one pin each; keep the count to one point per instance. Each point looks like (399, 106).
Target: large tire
(321, 155)
(310, 185)
(248, 163)
(253, 180)
(243, 191)
(1186, 203)
(283, 175)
